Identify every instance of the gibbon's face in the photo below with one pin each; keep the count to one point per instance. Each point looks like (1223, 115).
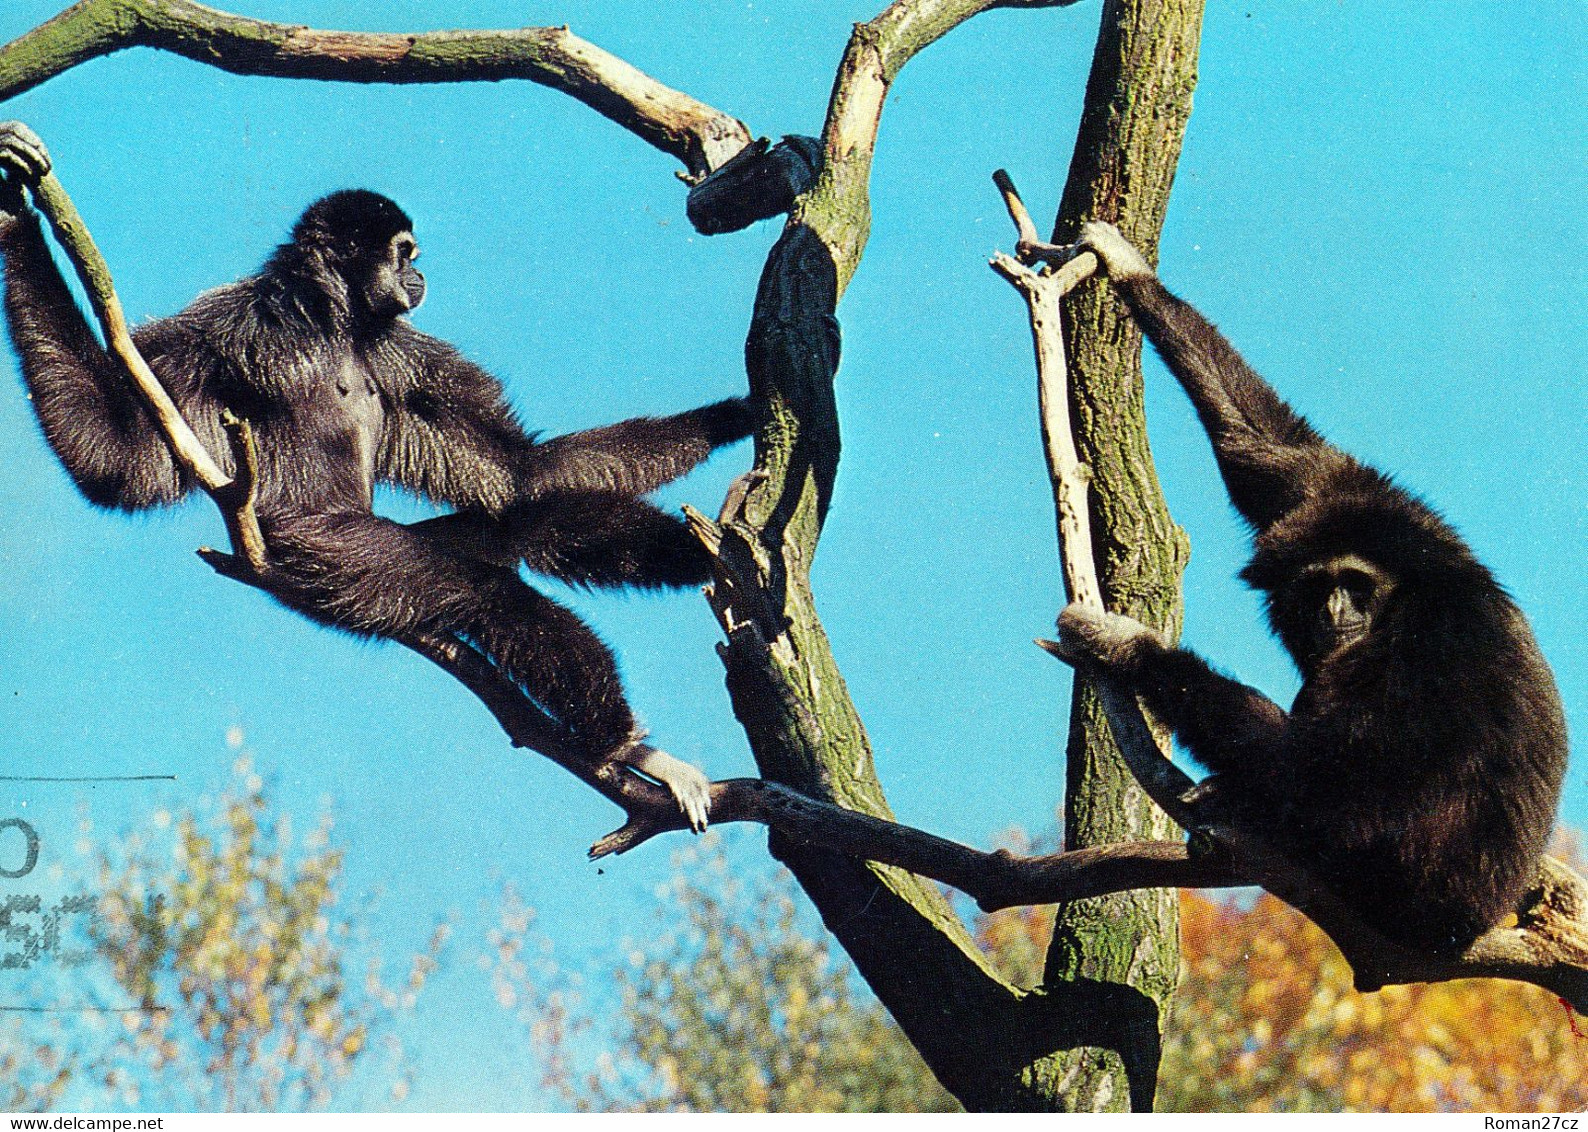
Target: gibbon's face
(395, 286)
(1336, 603)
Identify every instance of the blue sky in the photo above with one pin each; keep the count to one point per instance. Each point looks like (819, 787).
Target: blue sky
(1380, 204)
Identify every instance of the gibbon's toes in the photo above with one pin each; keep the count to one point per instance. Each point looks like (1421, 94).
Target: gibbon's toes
(696, 804)
(692, 791)
(690, 787)
(22, 152)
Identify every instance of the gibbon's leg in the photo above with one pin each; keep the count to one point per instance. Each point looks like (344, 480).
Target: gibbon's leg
(1267, 453)
(377, 578)
(586, 538)
(635, 457)
(1225, 725)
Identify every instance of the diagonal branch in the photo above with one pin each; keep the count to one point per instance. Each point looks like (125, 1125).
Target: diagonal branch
(698, 135)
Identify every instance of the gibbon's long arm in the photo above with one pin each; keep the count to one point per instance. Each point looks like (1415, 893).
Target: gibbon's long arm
(449, 433)
(1267, 453)
(101, 429)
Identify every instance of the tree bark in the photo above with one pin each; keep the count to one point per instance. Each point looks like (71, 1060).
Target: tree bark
(1138, 100)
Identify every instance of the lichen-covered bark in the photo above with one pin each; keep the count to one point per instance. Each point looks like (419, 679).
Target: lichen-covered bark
(784, 682)
(1138, 100)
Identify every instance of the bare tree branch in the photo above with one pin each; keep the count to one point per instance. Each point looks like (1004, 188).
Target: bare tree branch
(698, 135)
(1031, 248)
(785, 685)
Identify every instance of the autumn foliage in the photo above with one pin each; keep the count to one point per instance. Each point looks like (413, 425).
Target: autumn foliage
(738, 1002)
(1266, 1020)
(733, 1004)
(233, 930)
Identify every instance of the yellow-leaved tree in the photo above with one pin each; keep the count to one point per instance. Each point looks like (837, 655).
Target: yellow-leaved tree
(1267, 1021)
(230, 939)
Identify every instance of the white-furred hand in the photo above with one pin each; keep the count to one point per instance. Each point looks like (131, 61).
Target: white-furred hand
(1119, 256)
(1088, 636)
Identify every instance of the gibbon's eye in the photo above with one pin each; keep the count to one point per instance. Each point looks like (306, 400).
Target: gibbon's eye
(1361, 586)
(407, 250)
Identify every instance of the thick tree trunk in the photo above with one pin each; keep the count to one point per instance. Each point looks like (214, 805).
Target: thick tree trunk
(978, 1033)
(1137, 103)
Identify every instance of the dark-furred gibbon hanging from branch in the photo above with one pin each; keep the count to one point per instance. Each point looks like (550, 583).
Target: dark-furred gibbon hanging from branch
(1418, 770)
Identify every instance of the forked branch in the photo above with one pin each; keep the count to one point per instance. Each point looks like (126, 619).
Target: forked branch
(1548, 946)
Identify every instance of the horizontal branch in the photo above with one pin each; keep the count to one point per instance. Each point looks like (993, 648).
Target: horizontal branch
(994, 880)
(698, 135)
(1548, 946)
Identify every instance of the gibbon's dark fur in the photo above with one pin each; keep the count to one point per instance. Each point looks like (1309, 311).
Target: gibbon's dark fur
(343, 393)
(1419, 768)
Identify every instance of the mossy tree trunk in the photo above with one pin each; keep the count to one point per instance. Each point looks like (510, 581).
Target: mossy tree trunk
(1137, 103)
(1089, 1039)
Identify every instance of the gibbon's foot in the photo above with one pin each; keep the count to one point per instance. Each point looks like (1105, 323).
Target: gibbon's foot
(22, 152)
(739, 490)
(690, 787)
(1119, 256)
(24, 161)
(1090, 638)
